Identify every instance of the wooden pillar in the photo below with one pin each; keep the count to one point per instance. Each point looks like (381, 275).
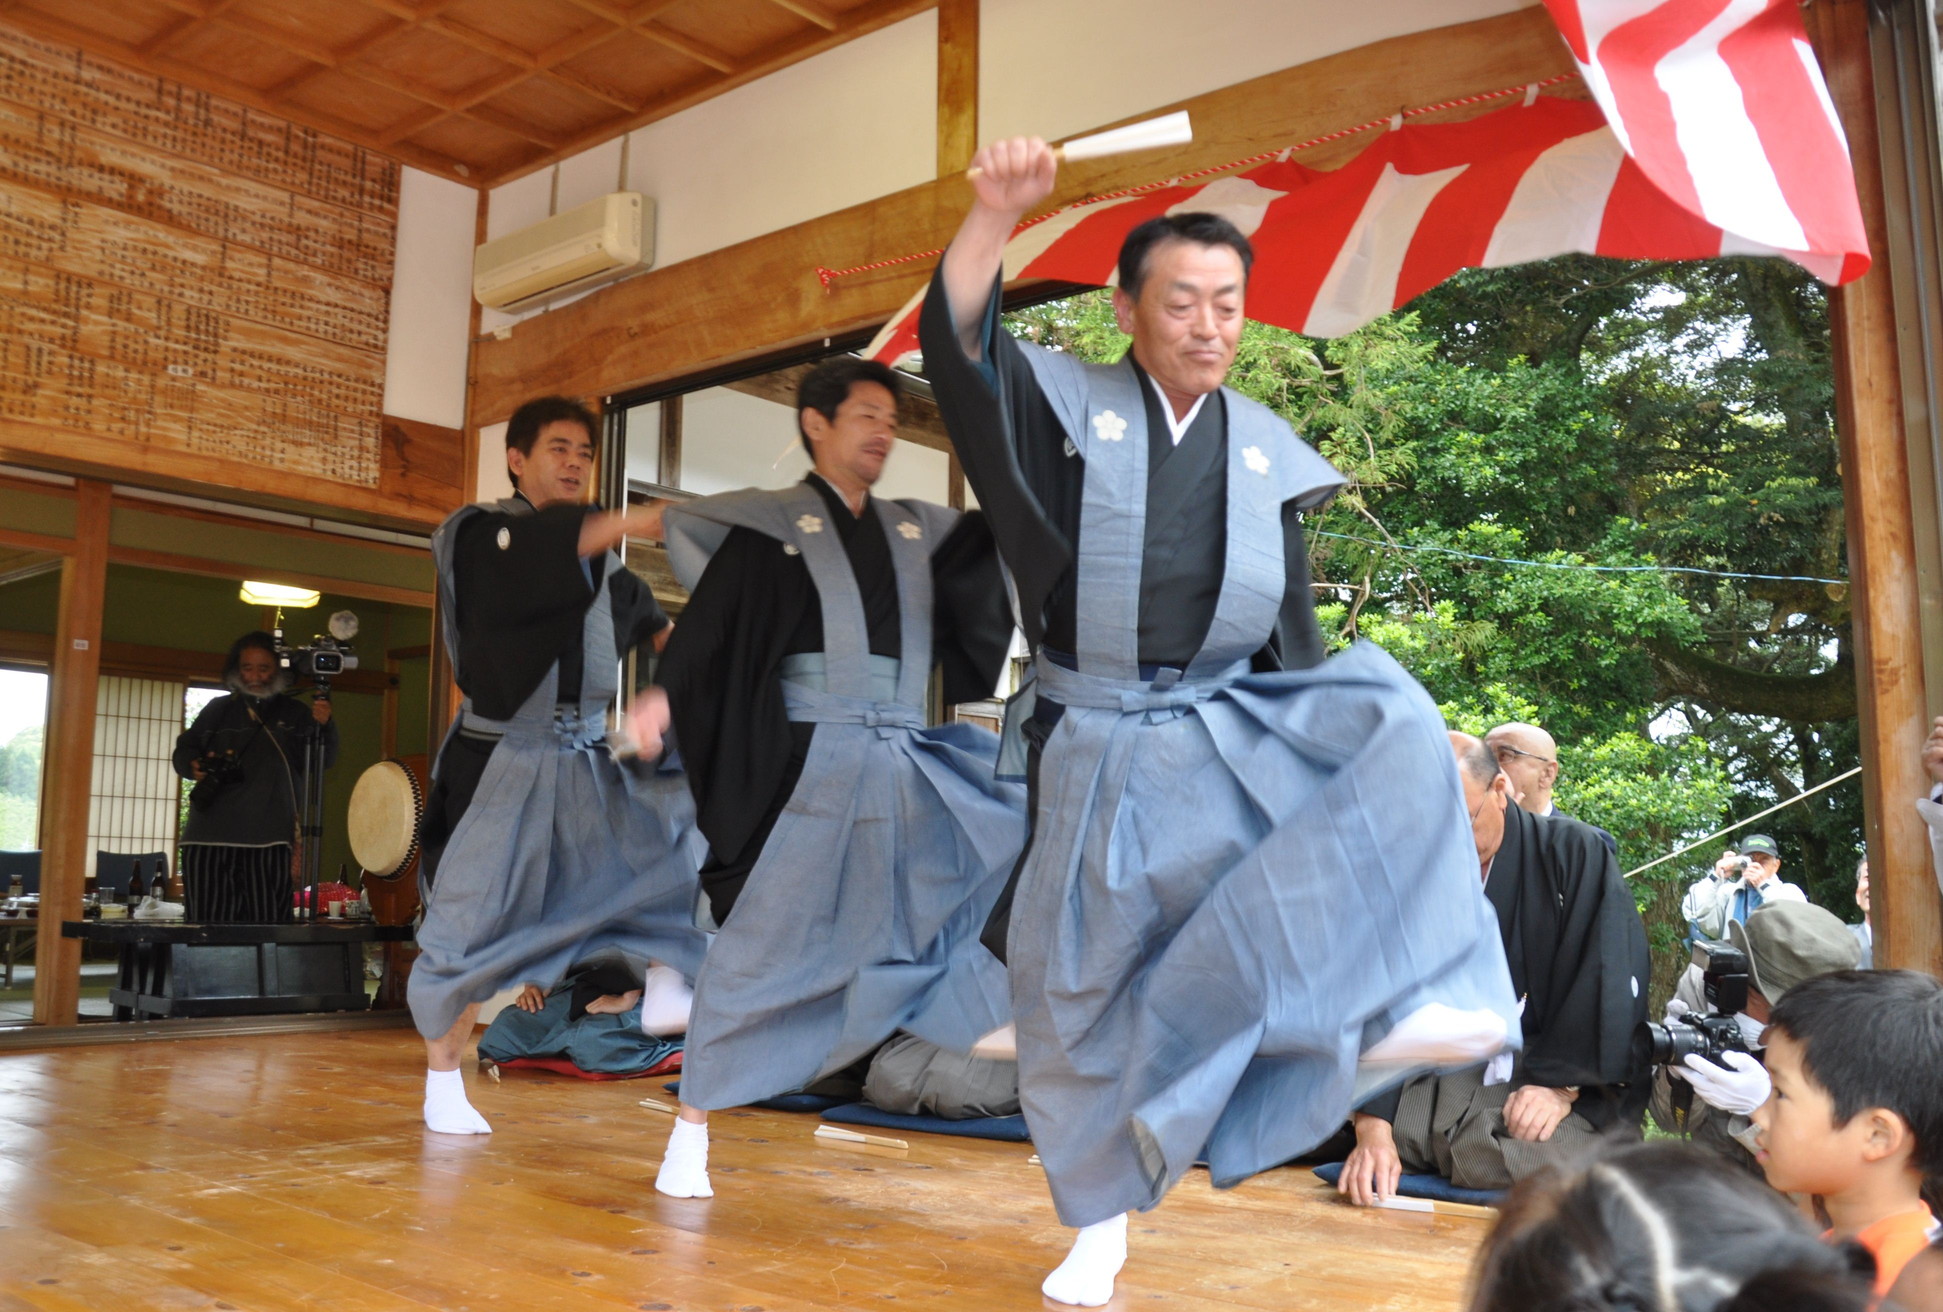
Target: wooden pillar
(1881, 535)
(70, 758)
(957, 84)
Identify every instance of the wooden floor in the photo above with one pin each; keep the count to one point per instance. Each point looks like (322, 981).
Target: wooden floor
(292, 1172)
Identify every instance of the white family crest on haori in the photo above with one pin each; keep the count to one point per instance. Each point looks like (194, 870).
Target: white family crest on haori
(911, 531)
(789, 549)
(1252, 457)
(1071, 450)
(809, 523)
(504, 538)
(1109, 426)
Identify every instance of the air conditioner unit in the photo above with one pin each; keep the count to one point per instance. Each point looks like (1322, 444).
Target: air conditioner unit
(583, 247)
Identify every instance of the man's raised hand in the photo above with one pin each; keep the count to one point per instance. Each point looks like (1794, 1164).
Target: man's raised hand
(1013, 175)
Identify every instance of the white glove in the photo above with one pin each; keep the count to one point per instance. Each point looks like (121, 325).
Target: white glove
(1738, 1090)
(1676, 1010)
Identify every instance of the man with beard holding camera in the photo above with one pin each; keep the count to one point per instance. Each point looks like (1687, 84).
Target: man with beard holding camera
(1710, 1098)
(246, 753)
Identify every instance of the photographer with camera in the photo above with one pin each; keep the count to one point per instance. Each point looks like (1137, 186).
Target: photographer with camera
(1745, 878)
(246, 753)
(1708, 1075)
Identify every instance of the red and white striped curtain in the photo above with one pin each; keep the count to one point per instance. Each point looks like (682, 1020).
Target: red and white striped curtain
(1712, 134)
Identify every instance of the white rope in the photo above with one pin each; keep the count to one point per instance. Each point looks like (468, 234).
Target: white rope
(1742, 824)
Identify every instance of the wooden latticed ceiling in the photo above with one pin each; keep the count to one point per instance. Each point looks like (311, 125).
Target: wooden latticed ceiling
(477, 90)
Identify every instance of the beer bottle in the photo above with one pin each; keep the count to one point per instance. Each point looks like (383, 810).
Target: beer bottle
(135, 884)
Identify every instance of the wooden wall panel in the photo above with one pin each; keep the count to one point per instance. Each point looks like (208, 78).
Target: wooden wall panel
(763, 295)
(194, 294)
(171, 118)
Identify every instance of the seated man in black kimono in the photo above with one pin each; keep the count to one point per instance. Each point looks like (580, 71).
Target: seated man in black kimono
(1577, 951)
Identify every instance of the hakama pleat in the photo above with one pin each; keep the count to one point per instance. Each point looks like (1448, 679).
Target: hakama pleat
(562, 853)
(1237, 886)
(862, 915)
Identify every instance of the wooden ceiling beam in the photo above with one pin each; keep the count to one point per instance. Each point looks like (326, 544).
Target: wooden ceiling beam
(358, 49)
(587, 86)
(486, 88)
(762, 296)
(289, 42)
(860, 21)
(641, 20)
(504, 51)
(579, 43)
(409, 125)
(513, 127)
(107, 47)
(682, 45)
(811, 10)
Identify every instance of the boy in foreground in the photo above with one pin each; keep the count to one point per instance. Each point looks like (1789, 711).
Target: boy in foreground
(1856, 1116)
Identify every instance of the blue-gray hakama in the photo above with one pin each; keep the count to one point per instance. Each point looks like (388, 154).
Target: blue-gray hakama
(862, 914)
(1237, 881)
(563, 852)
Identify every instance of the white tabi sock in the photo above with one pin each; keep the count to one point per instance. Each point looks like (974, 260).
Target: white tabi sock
(666, 1001)
(684, 1167)
(446, 1108)
(1085, 1278)
(1437, 1035)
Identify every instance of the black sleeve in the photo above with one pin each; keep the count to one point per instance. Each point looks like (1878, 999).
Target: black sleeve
(192, 742)
(1296, 643)
(1008, 442)
(1384, 1105)
(720, 673)
(638, 617)
(1597, 972)
(534, 579)
(520, 606)
(971, 616)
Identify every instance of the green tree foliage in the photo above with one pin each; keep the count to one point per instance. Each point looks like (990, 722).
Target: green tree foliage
(20, 762)
(1587, 412)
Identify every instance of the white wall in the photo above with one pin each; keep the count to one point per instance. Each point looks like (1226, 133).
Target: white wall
(431, 300)
(1053, 68)
(732, 440)
(859, 122)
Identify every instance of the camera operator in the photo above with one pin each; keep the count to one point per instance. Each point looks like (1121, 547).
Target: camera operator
(1743, 879)
(1721, 1008)
(246, 754)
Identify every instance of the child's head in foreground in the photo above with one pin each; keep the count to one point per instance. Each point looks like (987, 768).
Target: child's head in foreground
(1660, 1228)
(1856, 1116)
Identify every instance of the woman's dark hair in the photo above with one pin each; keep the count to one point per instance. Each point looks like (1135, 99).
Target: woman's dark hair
(523, 429)
(1661, 1228)
(1200, 228)
(827, 386)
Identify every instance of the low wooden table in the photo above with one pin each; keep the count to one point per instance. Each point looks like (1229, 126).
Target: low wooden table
(14, 927)
(176, 968)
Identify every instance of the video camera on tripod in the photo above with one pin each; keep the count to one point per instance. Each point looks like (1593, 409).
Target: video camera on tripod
(328, 656)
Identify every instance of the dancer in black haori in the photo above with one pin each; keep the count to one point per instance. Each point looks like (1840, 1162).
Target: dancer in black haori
(857, 852)
(542, 850)
(1221, 907)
